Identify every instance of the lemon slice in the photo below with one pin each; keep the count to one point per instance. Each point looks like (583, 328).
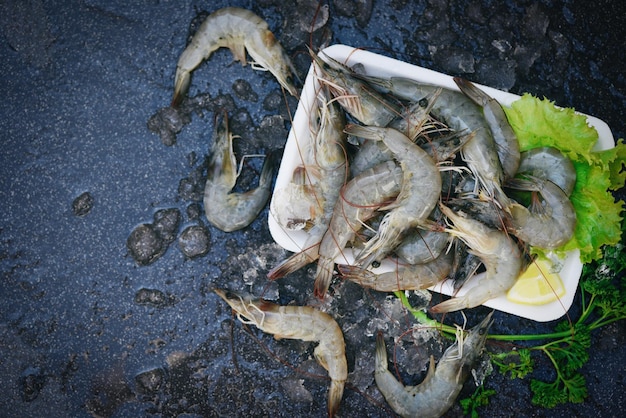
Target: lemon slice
(537, 285)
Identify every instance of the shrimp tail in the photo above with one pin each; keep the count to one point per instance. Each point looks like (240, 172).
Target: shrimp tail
(450, 305)
(183, 80)
(472, 92)
(335, 393)
(323, 276)
(357, 274)
(381, 354)
(270, 166)
(295, 262)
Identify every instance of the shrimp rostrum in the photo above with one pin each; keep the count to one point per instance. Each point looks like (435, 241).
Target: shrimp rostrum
(301, 323)
(238, 30)
(443, 383)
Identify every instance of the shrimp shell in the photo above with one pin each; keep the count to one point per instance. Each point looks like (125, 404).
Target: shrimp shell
(238, 30)
(546, 226)
(300, 323)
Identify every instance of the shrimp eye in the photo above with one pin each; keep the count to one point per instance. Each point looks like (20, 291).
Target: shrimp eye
(423, 102)
(482, 331)
(375, 264)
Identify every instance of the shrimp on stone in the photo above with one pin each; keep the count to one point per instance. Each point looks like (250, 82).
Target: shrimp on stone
(238, 30)
(227, 210)
(443, 383)
(301, 323)
(498, 252)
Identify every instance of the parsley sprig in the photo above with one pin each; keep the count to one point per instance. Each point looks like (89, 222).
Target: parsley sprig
(603, 302)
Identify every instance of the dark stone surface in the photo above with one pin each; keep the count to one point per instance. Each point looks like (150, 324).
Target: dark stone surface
(87, 331)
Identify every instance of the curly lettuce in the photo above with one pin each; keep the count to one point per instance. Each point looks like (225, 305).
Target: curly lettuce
(538, 122)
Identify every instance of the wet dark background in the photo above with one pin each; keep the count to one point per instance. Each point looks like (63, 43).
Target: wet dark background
(85, 330)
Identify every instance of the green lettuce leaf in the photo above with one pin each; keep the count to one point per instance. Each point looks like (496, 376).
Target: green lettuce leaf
(538, 122)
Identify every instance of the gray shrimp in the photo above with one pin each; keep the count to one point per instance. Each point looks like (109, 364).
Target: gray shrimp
(548, 225)
(404, 277)
(460, 114)
(330, 170)
(238, 30)
(358, 201)
(421, 188)
(549, 163)
(412, 122)
(506, 141)
(422, 245)
(223, 208)
(443, 383)
(498, 252)
(358, 98)
(301, 323)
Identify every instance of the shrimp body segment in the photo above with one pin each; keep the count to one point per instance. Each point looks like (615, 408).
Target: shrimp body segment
(443, 383)
(498, 252)
(549, 164)
(547, 226)
(225, 209)
(301, 323)
(239, 30)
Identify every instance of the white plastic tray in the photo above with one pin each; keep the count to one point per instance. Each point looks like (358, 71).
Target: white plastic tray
(379, 65)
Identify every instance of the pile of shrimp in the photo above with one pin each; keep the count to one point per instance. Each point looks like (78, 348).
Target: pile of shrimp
(430, 178)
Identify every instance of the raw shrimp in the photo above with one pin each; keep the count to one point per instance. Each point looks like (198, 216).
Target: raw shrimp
(422, 245)
(546, 226)
(225, 209)
(404, 277)
(443, 383)
(498, 252)
(301, 323)
(330, 170)
(359, 199)
(549, 164)
(506, 141)
(238, 30)
(460, 114)
(356, 97)
(421, 188)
